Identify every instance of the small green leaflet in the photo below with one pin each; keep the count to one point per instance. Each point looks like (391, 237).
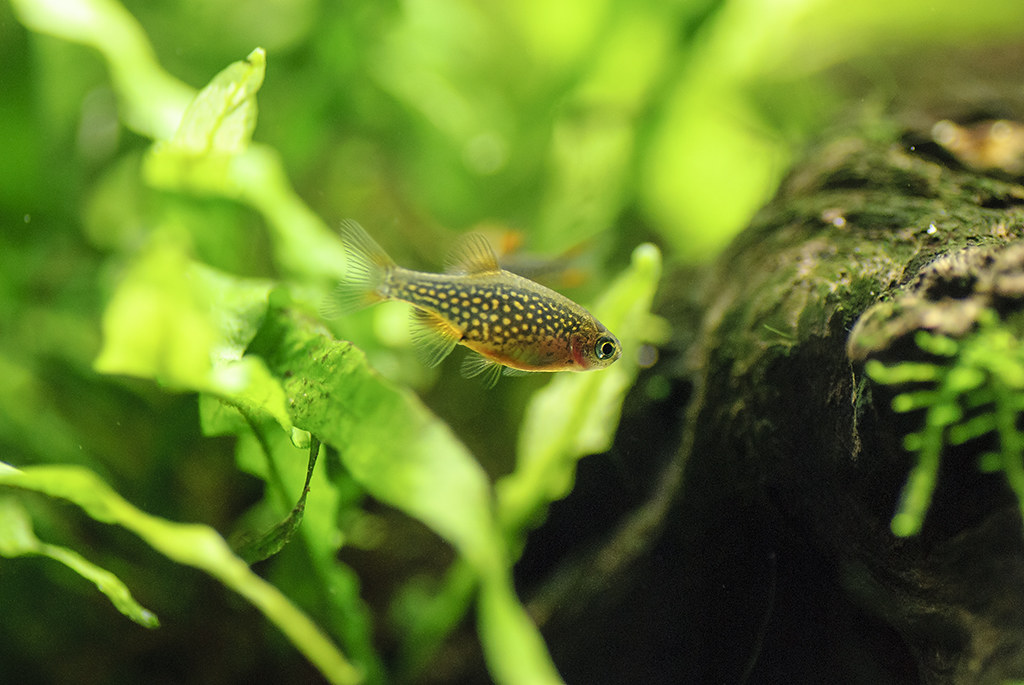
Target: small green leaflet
(17, 539)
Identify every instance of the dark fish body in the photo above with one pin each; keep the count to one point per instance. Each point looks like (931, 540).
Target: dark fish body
(506, 317)
(512, 322)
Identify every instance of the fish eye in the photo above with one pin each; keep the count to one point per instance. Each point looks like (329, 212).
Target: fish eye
(605, 348)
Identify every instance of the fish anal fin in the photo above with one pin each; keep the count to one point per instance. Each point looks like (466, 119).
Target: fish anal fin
(471, 254)
(475, 365)
(432, 336)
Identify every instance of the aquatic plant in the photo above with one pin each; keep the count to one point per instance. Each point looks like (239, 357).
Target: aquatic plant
(972, 387)
(267, 373)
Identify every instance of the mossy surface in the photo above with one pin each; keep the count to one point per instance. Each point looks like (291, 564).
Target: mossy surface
(792, 449)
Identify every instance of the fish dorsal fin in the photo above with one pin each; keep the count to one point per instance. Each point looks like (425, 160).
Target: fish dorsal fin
(433, 337)
(471, 254)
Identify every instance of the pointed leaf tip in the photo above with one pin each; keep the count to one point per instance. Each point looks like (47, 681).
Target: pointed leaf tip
(222, 117)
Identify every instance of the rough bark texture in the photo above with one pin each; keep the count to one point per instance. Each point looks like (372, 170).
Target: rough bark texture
(777, 563)
(866, 244)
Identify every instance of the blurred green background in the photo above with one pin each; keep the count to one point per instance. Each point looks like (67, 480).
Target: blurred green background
(579, 127)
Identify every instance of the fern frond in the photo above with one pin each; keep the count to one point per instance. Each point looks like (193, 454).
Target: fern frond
(976, 390)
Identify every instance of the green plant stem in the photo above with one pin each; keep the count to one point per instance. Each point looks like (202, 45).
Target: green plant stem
(1010, 440)
(917, 492)
(274, 477)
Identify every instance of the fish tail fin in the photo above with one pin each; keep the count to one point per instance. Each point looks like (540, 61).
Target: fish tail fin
(367, 269)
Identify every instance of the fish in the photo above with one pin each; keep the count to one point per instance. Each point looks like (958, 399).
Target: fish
(510, 324)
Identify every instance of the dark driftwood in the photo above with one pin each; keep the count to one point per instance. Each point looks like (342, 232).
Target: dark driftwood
(777, 563)
(864, 245)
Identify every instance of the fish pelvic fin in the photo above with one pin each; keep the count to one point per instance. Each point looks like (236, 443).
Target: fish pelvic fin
(367, 268)
(433, 337)
(471, 254)
(476, 365)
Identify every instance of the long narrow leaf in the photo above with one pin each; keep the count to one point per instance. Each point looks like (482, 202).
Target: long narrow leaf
(577, 414)
(194, 545)
(18, 539)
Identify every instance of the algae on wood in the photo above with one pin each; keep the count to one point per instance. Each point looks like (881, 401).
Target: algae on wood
(795, 455)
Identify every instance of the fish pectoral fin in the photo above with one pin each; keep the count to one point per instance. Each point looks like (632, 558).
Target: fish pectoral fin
(509, 371)
(433, 337)
(488, 370)
(471, 254)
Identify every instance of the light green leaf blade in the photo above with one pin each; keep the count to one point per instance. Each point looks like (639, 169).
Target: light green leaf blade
(902, 372)
(404, 456)
(578, 413)
(327, 582)
(17, 539)
(584, 408)
(940, 345)
(515, 652)
(155, 327)
(185, 326)
(216, 128)
(194, 545)
(390, 443)
(222, 117)
(211, 154)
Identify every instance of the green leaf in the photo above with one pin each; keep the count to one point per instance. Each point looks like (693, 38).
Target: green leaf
(578, 413)
(911, 401)
(211, 154)
(940, 345)
(155, 325)
(269, 453)
(974, 427)
(961, 380)
(193, 545)
(185, 326)
(404, 456)
(17, 539)
(917, 491)
(902, 372)
(427, 618)
(912, 442)
(272, 541)
(943, 414)
(1008, 366)
(222, 117)
(990, 462)
(216, 128)
(390, 443)
(984, 374)
(514, 649)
